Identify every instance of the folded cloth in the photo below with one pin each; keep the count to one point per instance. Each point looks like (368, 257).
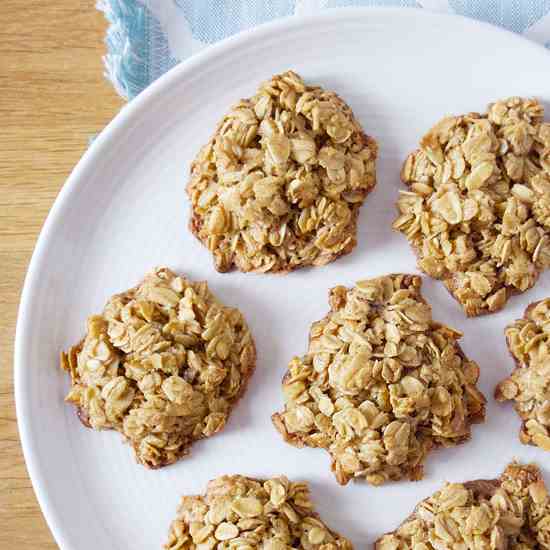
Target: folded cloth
(147, 37)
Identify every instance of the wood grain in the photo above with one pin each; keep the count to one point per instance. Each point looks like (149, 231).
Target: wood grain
(53, 97)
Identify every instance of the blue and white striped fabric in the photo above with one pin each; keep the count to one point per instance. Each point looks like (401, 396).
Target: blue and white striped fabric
(148, 37)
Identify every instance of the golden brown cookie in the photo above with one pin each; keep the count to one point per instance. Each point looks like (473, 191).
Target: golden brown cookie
(512, 512)
(528, 386)
(477, 207)
(381, 385)
(241, 513)
(164, 365)
(280, 184)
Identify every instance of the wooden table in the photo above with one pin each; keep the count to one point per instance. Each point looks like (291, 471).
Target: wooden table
(53, 97)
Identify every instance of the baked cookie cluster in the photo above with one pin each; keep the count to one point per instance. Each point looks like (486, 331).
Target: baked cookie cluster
(164, 365)
(381, 384)
(529, 384)
(510, 512)
(243, 513)
(280, 184)
(477, 207)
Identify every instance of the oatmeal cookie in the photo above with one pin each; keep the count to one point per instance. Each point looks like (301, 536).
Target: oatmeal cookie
(164, 365)
(243, 513)
(528, 386)
(477, 208)
(280, 184)
(381, 384)
(510, 512)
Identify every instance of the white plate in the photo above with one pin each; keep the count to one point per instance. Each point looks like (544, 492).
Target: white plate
(123, 211)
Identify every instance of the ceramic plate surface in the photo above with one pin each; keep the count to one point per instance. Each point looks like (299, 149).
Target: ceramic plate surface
(124, 211)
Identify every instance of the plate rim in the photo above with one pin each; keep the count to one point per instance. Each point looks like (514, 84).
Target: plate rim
(129, 112)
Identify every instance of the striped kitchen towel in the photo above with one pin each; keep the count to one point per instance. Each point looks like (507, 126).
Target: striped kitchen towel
(147, 37)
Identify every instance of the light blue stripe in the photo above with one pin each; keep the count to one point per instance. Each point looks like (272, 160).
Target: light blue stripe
(212, 20)
(372, 3)
(137, 48)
